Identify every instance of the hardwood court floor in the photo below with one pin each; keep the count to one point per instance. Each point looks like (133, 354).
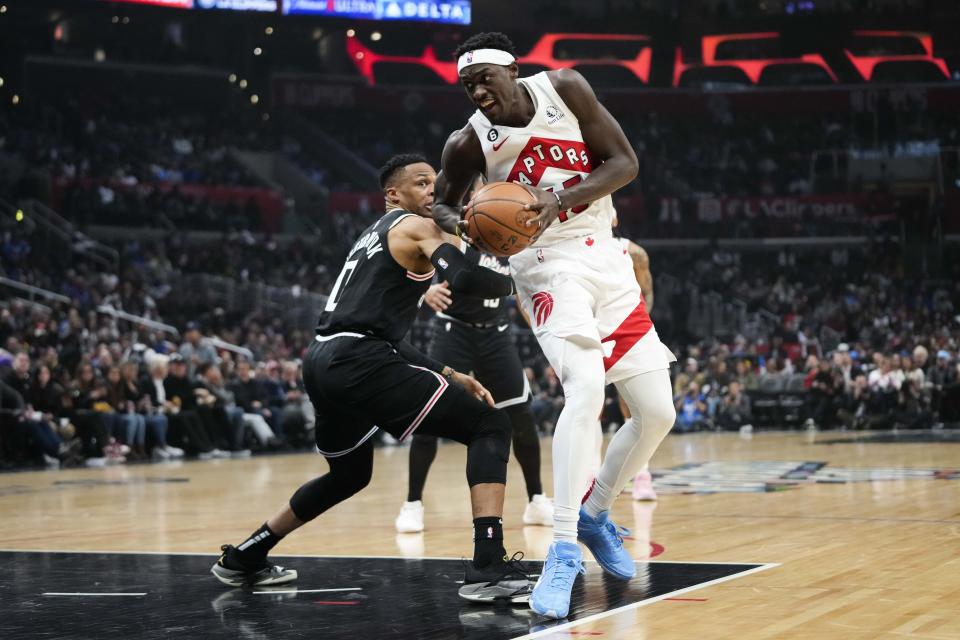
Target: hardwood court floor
(861, 555)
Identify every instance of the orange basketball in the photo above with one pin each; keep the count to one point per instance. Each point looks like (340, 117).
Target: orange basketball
(496, 218)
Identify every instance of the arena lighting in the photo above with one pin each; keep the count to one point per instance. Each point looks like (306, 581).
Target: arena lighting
(232, 78)
(375, 36)
(257, 51)
(3, 8)
(751, 67)
(254, 99)
(1, 81)
(15, 99)
(541, 54)
(115, 19)
(866, 64)
(351, 33)
(243, 84)
(268, 31)
(19, 215)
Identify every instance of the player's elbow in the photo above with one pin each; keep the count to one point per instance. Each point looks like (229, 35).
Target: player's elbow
(631, 166)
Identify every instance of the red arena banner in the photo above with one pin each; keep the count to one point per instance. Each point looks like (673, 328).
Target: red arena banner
(866, 64)
(542, 54)
(752, 67)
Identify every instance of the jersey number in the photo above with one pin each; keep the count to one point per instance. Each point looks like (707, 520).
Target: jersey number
(491, 303)
(340, 284)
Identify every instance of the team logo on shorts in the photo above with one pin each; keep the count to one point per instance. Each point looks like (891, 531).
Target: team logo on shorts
(542, 307)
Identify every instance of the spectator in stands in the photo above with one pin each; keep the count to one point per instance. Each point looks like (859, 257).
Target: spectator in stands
(89, 394)
(735, 409)
(844, 363)
(128, 426)
(691, 373)
(745, 375)
(196, 349)
(691, 409)
(155, 423)
(29, 435)
(826, 387)
(249, 395)
(297, 416)
(196, 435)
(217, 405)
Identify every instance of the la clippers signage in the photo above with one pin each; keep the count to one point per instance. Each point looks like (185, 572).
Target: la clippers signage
(849, 206)
(452, 12)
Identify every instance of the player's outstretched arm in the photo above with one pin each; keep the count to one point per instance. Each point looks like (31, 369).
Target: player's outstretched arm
(460, 163)
(616, 163)
(417, 242)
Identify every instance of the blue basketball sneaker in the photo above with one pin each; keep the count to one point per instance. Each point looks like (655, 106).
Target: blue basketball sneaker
(605, 541)
(551, 594)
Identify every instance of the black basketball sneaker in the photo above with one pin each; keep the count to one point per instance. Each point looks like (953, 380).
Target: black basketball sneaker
(504, 581)
(232, 570)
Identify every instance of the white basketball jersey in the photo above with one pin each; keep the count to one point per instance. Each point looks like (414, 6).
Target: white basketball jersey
(548, 153)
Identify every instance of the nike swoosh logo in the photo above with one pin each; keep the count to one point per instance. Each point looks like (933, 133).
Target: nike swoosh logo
(502, 328)
(496, 147)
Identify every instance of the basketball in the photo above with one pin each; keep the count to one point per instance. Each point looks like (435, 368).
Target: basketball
(496, 218)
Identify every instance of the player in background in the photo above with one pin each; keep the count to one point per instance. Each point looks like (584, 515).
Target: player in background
(473, 335)
(642, 482)
(550, 133)
(362, 376)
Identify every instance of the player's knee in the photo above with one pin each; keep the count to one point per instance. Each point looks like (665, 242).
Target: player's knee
(495, 426)
(584, 394)
(659, 415)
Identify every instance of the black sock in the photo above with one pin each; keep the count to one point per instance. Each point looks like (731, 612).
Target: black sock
(259, 544)
(487, 541)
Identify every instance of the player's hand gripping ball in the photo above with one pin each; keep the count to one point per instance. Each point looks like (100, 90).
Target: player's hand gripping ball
(496, 218)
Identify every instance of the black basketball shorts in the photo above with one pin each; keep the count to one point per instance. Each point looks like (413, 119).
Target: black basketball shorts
(489, 354)
(359, 383)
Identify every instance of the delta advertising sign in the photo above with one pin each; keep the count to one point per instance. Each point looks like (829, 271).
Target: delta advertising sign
(451, 12)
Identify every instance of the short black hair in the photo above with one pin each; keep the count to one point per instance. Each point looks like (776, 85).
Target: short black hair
(393, 166)
(487, 40)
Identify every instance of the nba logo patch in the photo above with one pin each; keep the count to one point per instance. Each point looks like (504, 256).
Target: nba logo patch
(490, 532)
(540, 255)
(469, 57)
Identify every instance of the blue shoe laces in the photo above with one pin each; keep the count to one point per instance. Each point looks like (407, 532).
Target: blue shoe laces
(565, 571)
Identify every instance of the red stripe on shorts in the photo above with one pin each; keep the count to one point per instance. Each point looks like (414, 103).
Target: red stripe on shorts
(631, 330)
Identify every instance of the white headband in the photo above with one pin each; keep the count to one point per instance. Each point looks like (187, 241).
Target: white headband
(484, 56)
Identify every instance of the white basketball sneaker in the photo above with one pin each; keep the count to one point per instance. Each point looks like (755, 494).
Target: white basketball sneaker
(539, 511)
(410, 519)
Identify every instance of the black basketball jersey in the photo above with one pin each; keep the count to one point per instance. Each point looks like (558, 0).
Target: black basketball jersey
(373, 294)
(480, 310)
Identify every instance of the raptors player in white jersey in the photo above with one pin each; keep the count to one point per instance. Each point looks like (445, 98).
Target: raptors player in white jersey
(550, 133)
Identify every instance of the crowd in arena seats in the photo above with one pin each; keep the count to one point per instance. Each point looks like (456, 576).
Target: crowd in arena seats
(858, 342)
(80, 390)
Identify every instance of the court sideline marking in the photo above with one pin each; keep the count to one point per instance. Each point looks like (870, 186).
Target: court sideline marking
(645, 602)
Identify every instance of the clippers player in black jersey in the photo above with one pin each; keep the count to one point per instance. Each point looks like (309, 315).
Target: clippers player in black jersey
(473, 335)
(361, 376)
